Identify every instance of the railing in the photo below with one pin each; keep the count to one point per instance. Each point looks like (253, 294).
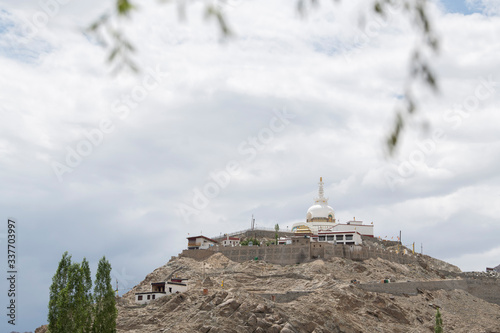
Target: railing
(246, 230)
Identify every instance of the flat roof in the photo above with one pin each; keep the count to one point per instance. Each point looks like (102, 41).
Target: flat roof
(151, 292)
(176, 283)
(194, 237)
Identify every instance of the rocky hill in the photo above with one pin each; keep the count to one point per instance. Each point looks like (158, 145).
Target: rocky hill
(319, 296)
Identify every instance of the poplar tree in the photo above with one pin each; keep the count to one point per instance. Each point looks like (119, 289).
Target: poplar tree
(438, 328)
(72, 308)
(105, 312)
(82, 300)
(276, 229)
(59, 315)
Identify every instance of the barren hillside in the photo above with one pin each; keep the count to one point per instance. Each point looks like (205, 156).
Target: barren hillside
(313, 297)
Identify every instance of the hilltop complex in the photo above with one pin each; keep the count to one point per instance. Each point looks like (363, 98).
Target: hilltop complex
(322, 226)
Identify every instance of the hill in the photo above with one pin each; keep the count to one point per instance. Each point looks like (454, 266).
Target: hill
(314, 297)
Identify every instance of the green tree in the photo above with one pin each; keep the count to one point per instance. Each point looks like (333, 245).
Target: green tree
(59, 312)
(82, 301)
(276, 229)
(254, 241)
(70, 305)
(105, 312)
(438, 328)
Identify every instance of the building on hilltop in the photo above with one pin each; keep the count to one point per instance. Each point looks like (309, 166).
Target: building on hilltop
(231, 241)
(161, 289)
(200, 243)
(322, 226)
(494, 269)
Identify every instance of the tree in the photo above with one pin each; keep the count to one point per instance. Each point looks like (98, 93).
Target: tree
(254, 241)
(70, 297)
(276, 229)
(58, 316)
(83, 298)
(71, 306)
(438, 328)
(105, 312)
(415, 11)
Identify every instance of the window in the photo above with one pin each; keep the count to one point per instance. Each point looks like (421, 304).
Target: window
(348, 237)
(170, 289)
(149, 296)
(340, 237)
(154, 296)
(321, 238)
(139, 298)
(330, 238)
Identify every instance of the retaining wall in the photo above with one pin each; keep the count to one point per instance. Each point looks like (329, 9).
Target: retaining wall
(486, 288)
(278, 254)
(300, 252)
(410, 288)
(286, 297)
(196, 254)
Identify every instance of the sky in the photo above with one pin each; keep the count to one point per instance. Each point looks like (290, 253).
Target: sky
(213, 130)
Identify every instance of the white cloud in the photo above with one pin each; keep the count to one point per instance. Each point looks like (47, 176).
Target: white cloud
(489, 7)
(340, 84)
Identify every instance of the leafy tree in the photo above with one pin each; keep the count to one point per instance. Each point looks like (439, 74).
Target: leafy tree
(248, 240)
(105, 312)
(71, 307)
(83, 298)
(438, 328)
(59, 315)
(415, 11)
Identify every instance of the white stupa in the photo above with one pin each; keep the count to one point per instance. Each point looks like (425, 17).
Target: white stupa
(320, 211)
(320, 218)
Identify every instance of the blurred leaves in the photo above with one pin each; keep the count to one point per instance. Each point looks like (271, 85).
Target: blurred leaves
(110, 35)
(420, 71)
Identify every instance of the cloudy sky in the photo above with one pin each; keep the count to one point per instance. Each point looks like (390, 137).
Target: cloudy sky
(211, 131)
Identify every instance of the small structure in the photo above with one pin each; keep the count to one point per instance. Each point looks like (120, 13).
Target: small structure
(494, 269)
(160, 289)
(231, 241)
(200, 243)
(338, 237)
(284, 241)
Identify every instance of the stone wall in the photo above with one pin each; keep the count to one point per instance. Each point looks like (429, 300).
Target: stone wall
(359, 252)
(302, 250)
(485, 288)
(196, 254)
(282, 254)
(410, 288)
(284, 298)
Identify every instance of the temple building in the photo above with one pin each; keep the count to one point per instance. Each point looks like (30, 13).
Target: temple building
(161, 289)
(322, 226)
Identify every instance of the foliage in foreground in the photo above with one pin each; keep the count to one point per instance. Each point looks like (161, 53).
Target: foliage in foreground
(73, 307)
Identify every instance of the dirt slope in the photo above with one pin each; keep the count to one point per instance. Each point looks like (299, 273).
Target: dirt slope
(312, 297)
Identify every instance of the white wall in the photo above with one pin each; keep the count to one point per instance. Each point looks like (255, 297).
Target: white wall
(145, 299)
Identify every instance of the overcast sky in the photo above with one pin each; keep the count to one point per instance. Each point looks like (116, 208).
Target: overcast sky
(209, 132)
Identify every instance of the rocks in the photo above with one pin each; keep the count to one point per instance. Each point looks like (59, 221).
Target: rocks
(287, 329)
(228, 307)
(252, 321)
(261, 308)
(326, 303)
